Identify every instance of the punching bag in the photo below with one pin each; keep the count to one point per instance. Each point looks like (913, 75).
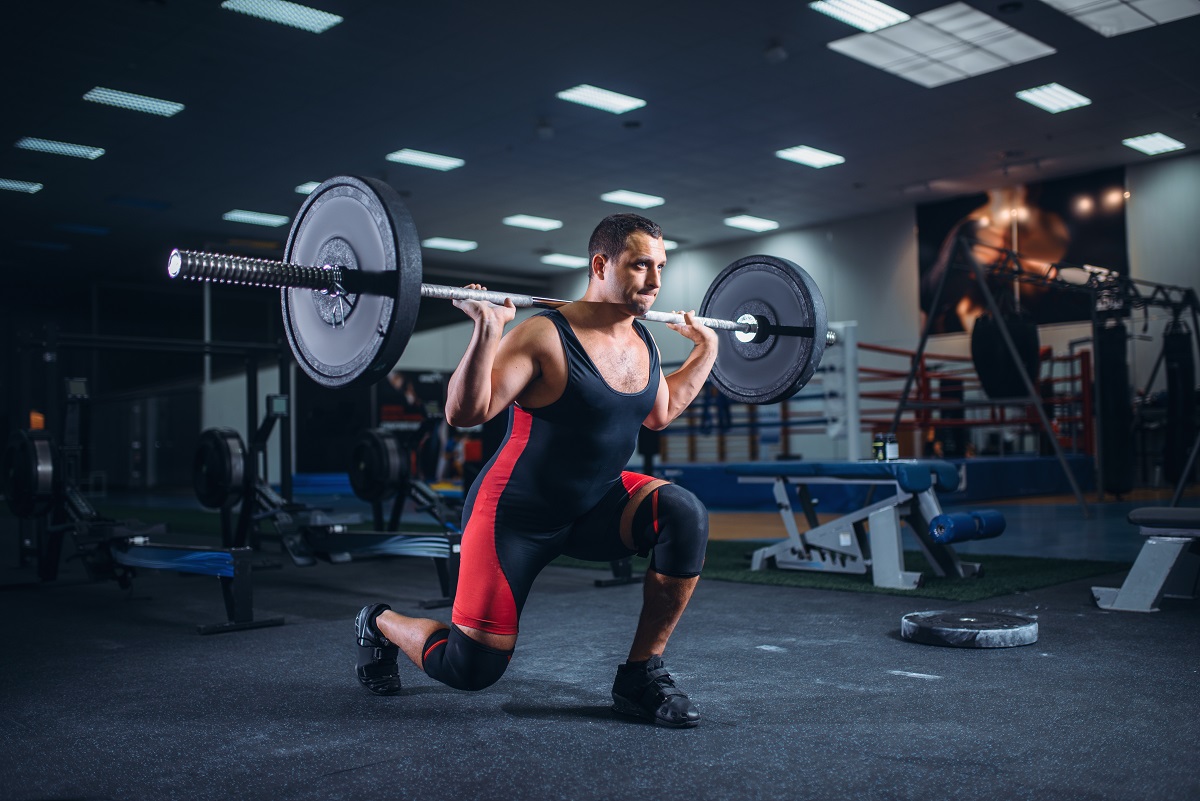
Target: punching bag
(998, 373)
(1116, 409)
(1181, 400)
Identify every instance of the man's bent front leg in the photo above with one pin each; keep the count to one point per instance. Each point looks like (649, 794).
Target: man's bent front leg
(663, 600)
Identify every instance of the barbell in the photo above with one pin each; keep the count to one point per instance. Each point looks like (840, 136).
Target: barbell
(350, 288)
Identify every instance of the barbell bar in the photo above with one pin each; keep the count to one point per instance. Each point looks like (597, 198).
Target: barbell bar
(335, 282)
(350, 288)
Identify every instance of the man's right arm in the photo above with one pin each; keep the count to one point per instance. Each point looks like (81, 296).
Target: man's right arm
(494, 369)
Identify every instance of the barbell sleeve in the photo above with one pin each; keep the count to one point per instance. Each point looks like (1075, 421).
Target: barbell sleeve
(333, 280)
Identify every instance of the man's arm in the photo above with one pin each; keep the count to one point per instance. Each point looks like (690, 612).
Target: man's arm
(681, 387)
(493, 370)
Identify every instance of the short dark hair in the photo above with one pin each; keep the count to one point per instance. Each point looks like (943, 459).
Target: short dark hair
(613, 232)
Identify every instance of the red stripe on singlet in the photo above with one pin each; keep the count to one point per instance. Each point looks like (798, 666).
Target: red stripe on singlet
(484, 600)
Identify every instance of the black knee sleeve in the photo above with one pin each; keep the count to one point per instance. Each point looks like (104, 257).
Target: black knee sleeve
(672, 525)
(457, 661)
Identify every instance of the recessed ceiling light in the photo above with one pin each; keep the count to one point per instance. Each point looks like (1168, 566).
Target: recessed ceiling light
(128, 100)
(803, 154)
(255, 218)
(1053, 97)
(563, 260)
(534, 223)
(430, 161)
(307, 188)
(944, 45)
(866, 15)
(445, 243)
(19, 186)
(750, 223)
(59, 148)
(1153, 144)
(603, 99)
(635, 199)
(293, 15)
(1115, 17)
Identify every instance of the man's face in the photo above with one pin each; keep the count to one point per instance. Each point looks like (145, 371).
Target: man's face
(637, 274)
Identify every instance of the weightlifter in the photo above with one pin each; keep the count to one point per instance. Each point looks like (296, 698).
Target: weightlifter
(577, 383)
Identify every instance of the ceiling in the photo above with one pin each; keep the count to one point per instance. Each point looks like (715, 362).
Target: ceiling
(269, 107)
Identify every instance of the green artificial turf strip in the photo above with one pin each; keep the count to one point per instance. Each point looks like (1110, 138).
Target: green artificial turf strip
(729, 560)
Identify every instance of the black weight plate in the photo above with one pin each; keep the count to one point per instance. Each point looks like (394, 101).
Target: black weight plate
(776, 368)
(29, 473)
(378, 466)
(969, 629)
(354, 223)
(218, 468)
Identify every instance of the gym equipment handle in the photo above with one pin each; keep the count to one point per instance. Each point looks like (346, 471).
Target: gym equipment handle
(333, 280)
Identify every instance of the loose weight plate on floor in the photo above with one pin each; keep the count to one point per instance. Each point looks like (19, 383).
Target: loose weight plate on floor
(355, 224)
(969, 629)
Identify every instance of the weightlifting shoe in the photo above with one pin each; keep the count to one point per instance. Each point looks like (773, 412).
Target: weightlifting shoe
(646, 690)
(377, 668)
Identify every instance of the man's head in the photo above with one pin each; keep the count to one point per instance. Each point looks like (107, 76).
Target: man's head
(612, 234)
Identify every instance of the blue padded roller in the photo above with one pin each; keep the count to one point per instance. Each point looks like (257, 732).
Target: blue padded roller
(980, 524)
(207, 563)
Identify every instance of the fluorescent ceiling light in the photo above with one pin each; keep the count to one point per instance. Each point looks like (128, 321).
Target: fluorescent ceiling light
(444, 243)
(944, 45)
(563, 260)
(293, 15)
(1054, 98)
(19, 186)
(1115, 17)
(128, 100)
(750, 223)
(866, 15)
(1153, 144)
(635, 199)
(803, 154)
(670, 244)
(255, 218)
(59, 148)
(594, 96)
(307, 188)
(534, 223)
(430, 161)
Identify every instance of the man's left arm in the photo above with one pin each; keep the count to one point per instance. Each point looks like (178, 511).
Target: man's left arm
(681, 387)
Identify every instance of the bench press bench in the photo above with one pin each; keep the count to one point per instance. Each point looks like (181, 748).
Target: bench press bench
(1168, 564)
(844, 545)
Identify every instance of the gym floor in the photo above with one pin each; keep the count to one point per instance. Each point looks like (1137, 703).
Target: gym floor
(805, 693)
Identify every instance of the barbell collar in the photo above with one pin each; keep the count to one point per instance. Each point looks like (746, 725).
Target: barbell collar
(333, 280)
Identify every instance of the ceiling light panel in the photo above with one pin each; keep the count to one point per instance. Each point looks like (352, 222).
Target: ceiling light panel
(944, 45)
(750, 223)
(255, 218)
(430, 161)
(603, 99)
(293, 15)
(866, 15)
(1153, 144)
(1053, 97)
(670, 244)
(59, 148)
(564, 260)
(1114, 17)
(635, 199)
(307, 187)
(533, 223)
(445, 243)
(810, 156)
(29, 187)
(128, 100)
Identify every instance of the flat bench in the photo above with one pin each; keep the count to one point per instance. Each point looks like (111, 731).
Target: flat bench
(1167, 566)
(844, 545)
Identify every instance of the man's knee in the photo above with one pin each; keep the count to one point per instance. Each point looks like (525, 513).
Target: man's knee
(457, 661)
(673, 523)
